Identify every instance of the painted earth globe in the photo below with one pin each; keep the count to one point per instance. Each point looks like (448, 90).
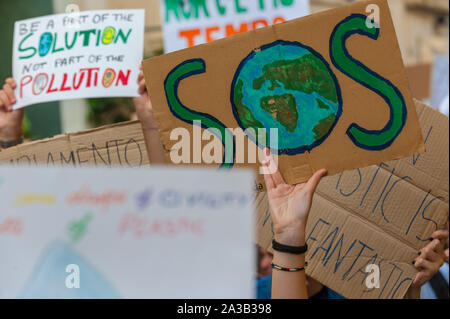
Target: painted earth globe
(288, 87)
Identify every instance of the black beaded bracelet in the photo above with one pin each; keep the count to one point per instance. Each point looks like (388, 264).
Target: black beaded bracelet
(286, 268)
(289, 249)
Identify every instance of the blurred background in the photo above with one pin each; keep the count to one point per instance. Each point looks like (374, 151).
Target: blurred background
(422, 28)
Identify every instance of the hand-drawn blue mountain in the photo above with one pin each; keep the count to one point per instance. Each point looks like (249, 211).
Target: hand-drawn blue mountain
(48, 280)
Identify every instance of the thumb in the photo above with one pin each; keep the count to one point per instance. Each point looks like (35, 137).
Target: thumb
(418, 281)
(312, 183)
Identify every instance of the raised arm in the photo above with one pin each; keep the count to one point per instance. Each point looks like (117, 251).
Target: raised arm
(144, 112)
(289, 209)
(10, 120)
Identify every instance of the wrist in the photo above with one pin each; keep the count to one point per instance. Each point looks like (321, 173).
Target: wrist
(11, 134)
(288, 260)
(291, 236)
(149, 126)
(148, 122)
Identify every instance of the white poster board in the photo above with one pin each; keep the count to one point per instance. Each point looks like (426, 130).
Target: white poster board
(78, 55)
(133, 233)
(440, 83)
(189, 23)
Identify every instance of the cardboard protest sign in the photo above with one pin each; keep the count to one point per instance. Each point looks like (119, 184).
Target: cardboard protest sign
(381, 215)
(125, 233)
(390, 208)
(78, 55)
(119, 145)
(189, 23)
(419, 78)
(325, 91)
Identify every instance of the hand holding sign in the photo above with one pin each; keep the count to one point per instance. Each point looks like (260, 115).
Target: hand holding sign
(10, 121)
(290, 205)
(96, 54)
(143, 106)
(328, 100)
(430, 259)
(7, 96)
(289, 209)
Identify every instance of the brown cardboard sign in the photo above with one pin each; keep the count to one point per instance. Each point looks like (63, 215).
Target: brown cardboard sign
(114, 145)
(419, 77)
(381, 215)
(329, 89)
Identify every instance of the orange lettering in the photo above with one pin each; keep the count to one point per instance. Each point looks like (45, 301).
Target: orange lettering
(190, 36)
(278, 20)
(209, 31)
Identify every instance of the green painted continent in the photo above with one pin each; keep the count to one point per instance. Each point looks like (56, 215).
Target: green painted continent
(324, 126)
(283, 108)
(306, 74)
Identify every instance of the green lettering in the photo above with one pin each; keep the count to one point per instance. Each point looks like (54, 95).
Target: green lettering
(221, 9)
(70, 46)
(54, 50)
(183, 71)
(97, 43)
(286, 3)
(172, 7)
(122, 36)
(26, 49)
(188, 9)
(197, 5)
(239, 8)
(364, 138)
(87, 36)
(261, 5)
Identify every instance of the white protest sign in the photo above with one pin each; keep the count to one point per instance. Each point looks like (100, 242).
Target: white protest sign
(189, 23)
(78, 55)
(126, 233)
(440, 82)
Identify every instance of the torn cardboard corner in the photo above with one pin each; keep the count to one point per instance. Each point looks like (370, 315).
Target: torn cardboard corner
(113, 145)
(329, 111)
(381, 215)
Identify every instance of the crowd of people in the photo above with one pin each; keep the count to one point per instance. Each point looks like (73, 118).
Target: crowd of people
(281, 275)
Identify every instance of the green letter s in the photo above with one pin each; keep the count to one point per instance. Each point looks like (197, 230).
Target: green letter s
(173, 79)
(367, 139)
(26, 49)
